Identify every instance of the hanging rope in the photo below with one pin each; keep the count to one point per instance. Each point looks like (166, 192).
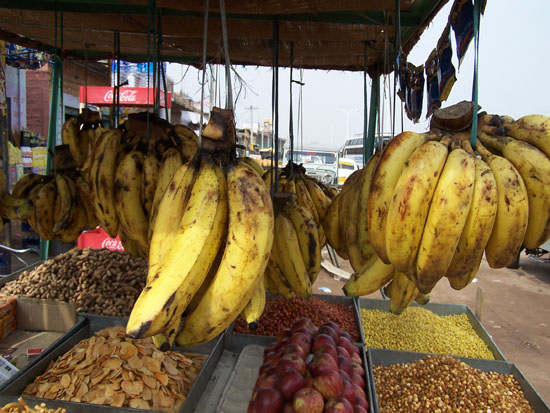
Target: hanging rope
(204, 44)
(229, 97)
(290, 121)
(366, 155)
(157, 62)
(397, 47)
(61, 67)
(275, 100)
(150, 23)
(300, 111)
(477, 14)
(116, 86)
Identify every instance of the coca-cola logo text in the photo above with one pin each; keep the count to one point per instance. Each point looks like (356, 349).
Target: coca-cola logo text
(126, 96)
(112, 244)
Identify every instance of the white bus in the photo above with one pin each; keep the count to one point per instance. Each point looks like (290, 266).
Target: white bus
(353, 149)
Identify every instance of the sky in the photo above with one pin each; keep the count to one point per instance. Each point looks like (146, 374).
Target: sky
(514, 70)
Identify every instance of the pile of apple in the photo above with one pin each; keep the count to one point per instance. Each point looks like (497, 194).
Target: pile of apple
(311, 370)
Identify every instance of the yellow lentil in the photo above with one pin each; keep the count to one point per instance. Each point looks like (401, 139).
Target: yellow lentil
(422, 331)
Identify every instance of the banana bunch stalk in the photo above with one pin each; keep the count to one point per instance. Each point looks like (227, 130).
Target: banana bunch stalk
(209, 247)
(296, 254)
(129, 175)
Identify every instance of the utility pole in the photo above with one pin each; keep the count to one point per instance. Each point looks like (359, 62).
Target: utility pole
(347, 112)
(251, 109)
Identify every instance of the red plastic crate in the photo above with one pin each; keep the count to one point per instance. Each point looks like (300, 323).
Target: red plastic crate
(97, 238)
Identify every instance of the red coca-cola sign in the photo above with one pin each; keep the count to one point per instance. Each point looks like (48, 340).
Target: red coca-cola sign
(97, 238)
(112, 244)
(129, 96)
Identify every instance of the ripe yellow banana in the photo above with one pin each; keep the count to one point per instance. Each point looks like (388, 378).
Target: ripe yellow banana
(194, 247)
(164, 341)
(320, 200)
(70, 136)
(170, 211)
(270, 284)
(534, 168)
(16, 208)
(24, 186)
(129, 208)
(461, 281)
(277, 277)
(82, 144)
(330, 191)
(386, 174)
(331, 225)
(402, 292)
(349, 225)
(512, 211)
(422, 299)
(308, 237)
(171, 161)
(249, 241)
(253, 164)
(286, 253)
(410, 203)
(149, 181)
(289, 185)
(255, 306)
(44, 202)
(66, 192)
(446, 218)
(130, 245)
(363, 237)
(479, 222)
(370, 279)
(533, 129)
(102, 178)
(85, 195)
(305, 200)
(188, 141)
(78, 223)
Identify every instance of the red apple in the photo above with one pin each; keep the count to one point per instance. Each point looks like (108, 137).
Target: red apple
(272, 347)
(346, 334)
(332, 325)
(267, 382)
(270, 371)
(304, 323)
(329, 384)
(268, 401)
(346, 343)
(356, 350)
(291, 362)
(321, 340)
(307, 400)
(345, 376)
(338, 405)
(329, 331)
(321, 363)
(291, 381)
(358, 369)
(282, 343)
(293, 348)
(343, 352)
(357, 379)
(359, 409)
(345, 364)
(282, 335)
(349, 392)
(288, 408)
(327, 349)
(309, 379)
(302, 340)
(361, 401)
(359, 392)
(304, 330)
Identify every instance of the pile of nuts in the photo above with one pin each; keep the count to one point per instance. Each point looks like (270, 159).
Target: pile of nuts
(445, 384)
(22, 407)
(422, 331)
(111, 369)
(98, 281)
(281, 313)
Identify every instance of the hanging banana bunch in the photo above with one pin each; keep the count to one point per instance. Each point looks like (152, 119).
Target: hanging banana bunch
(434, 206)
(210, 244)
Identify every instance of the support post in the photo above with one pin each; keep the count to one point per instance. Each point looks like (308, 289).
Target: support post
(374, 103)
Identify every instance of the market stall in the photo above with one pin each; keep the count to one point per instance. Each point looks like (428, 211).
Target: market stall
(181, 320)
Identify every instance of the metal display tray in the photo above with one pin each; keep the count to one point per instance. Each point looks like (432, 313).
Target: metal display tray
(227, 356)
(90, 325)
(381, 357)
(442, 310)
(80, 322)
(340, 299)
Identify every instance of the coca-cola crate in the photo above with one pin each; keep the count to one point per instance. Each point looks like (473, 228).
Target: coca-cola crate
(97, 238)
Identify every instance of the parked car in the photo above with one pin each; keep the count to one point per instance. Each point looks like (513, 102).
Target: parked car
(346, 166)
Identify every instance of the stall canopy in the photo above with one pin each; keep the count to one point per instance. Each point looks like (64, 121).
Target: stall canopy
(326, 34)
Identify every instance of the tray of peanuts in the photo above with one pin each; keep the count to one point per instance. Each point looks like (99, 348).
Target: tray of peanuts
(99, 369)
(420, 382)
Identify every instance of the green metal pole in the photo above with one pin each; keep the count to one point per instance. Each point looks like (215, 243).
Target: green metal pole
(52, 135)
(374, 99)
